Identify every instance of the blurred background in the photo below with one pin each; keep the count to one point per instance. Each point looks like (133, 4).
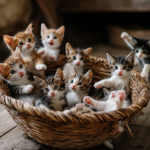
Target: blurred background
(96, 23)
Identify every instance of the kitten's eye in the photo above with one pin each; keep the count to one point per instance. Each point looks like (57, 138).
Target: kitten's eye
(115, 67)
(55, 37)
(74, 57)
(21, 43)
(71, 81)
(46, 89)
(81, 58)
(124, 67)
(55, 87)
(144, 52)
(47, 36)
(29, 40)
(12, 71)
(80, 83)
(137, 51)
(20, 66)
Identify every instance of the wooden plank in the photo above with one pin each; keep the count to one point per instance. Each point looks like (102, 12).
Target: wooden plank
(11, 139)
(6, 123)
(107, 5)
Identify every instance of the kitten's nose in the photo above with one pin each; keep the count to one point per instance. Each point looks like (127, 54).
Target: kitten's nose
(113, 95)
(74, 86)
(52, 94)
(140, 55)
(51, 40)
(28, 45)
(78, 63)
(21, 74)
(120, 73)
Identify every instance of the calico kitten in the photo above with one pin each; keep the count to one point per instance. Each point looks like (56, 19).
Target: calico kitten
(25, 41)
(76, 58)
(141, 47)
(51, 40)
(121, 68)
(115, 100)
(14, 72)
(53, 93)
(78, 87)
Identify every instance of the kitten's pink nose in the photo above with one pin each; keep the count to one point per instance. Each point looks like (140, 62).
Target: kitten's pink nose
(28, 45)
(51, 40)
(52, 94)
(78, 63)
(140, 55)
(21, 74)
(113, 95)
(74, 86)
(120, 73)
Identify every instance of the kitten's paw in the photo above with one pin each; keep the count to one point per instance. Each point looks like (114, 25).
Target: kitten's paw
(124, 36)
(41, 52)
(41, 67)
(144, 75)
(121, 95)
(98, 85)
(80, 105)
(53, 57)
(28, 88)
(88, 100)
(119, 129)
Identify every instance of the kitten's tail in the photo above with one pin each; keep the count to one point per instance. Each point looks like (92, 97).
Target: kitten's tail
(108, 144)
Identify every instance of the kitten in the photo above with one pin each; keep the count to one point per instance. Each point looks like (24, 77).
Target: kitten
(115, 100)
(14, 72)
(78, 87)
(121, 68)
(76, 58)
(141, 47)
(51, 40)
(26, 43)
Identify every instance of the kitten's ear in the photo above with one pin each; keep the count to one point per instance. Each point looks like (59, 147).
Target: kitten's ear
(129, 40)
(61, 30)
(106, 92)
(88, 51)
(130, 57)
(40, 81)
(73, 72)
(69, 49)
(111, 59)
(43, 29)
(17, 53)
(89, 76)
(59, 74)
(29, 29)
(10, 41)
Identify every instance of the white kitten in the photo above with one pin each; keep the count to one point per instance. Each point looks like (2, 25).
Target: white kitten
(51, 40)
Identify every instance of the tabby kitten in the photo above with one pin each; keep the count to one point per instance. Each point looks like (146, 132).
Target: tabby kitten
(14, 72)
(78, 87)
(121, 68)
(25, 41)
(77, 58)
(51, 40)
(141, 47)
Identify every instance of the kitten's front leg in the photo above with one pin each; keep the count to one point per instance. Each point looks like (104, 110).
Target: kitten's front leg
(53, 57)
(103, 83)
(145, 71)
(39, 65)
(23, 89)
(41, 51)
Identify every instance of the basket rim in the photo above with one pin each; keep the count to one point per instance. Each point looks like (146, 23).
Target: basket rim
(95, 117)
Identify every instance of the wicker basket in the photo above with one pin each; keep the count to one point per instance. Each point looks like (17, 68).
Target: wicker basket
(70, 131)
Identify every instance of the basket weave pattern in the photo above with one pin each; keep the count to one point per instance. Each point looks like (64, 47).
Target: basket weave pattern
(71, 131)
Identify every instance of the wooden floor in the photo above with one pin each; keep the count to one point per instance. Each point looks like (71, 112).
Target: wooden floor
(13, 138)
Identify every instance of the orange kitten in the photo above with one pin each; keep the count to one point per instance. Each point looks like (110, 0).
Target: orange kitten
(26, 43)
(51, 40)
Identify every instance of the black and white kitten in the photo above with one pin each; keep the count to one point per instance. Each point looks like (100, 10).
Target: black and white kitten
(121, 68)
(141, 47)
